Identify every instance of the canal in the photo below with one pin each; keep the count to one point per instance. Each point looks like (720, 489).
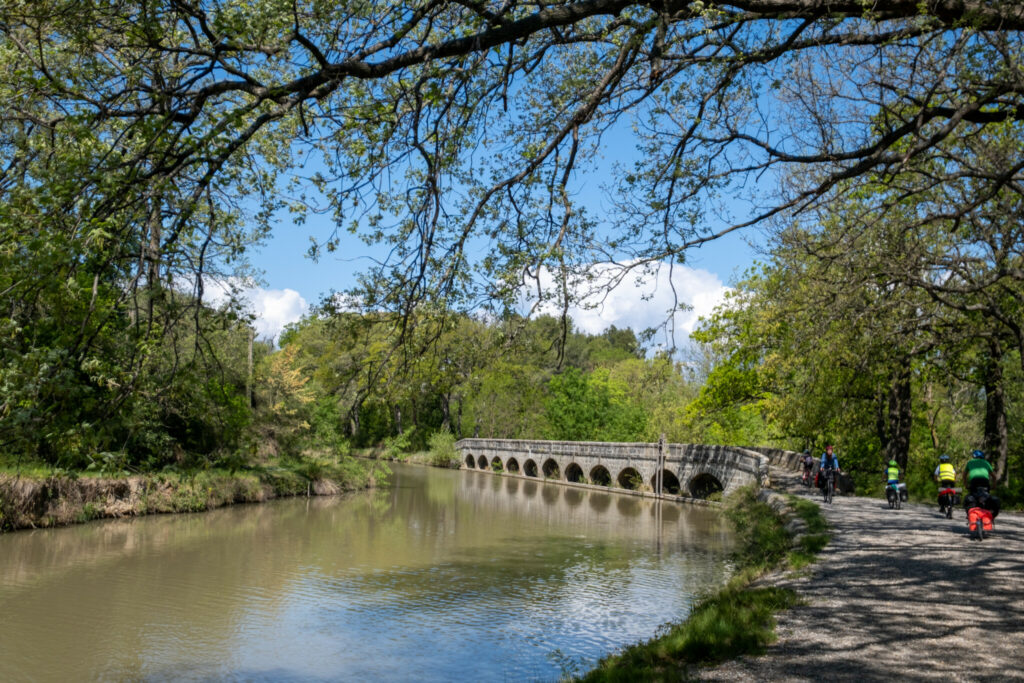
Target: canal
(445, 575)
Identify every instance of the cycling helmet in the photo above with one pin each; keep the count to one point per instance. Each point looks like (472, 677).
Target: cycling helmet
(978, 454)
(893, 463)
(943, 458)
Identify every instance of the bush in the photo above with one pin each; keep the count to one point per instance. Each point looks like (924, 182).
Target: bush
(395, 447)
(442, 449)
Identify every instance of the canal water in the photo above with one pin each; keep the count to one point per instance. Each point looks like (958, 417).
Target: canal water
(446, 575)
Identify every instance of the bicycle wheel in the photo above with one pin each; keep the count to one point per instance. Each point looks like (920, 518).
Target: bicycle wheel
(830, 488)
(899, 501)
(949, 512)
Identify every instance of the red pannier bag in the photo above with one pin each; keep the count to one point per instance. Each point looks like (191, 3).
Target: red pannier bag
(979, 515)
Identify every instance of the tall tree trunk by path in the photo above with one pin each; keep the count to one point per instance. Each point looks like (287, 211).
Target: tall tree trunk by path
(995, 411)
(900, 415)
(446, 422)
(881, 421)
(153, 256)
(458, 420)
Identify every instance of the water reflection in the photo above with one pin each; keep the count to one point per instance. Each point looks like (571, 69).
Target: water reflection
(444, 571)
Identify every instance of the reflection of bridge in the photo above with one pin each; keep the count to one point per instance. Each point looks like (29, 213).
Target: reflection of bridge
(673, 469)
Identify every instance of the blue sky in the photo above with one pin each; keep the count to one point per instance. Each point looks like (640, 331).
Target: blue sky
(293, 283)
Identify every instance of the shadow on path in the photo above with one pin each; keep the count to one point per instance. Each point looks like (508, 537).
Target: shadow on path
(899, 594)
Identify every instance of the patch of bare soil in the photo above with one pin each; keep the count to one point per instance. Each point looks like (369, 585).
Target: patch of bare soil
(899, 595)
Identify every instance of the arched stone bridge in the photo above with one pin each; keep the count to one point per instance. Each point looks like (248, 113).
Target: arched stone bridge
(685, 470)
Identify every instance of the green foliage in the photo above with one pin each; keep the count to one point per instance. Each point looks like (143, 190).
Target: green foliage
(397, 447)
(442, 449)
(761, 538)
(591, 408)
(733, 622)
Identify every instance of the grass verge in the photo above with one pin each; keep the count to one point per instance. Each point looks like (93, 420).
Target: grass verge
(738, 618)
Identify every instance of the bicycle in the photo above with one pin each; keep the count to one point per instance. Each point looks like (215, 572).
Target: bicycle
(947, 499)
(806, 478)
(892, 494)
(829, 490)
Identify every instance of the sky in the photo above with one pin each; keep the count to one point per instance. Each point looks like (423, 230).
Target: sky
(293, 283)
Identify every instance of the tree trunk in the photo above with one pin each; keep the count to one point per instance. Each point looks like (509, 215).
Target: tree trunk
(458, 420)
(398, 419)
(995, 412)
(900, 415)
(446, 423)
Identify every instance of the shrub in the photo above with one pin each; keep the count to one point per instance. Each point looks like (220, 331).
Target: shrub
(442, 449)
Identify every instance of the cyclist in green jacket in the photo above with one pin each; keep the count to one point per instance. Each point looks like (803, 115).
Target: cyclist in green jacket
(978, 473)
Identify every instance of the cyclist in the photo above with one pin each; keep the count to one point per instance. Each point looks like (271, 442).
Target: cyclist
(892, 480)
(944, 473)
(808, 462)
(946, 476)
(829, 465)
(977, 473)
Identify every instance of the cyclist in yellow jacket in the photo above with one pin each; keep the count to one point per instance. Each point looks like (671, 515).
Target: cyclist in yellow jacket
(944, 473)
(946, 476)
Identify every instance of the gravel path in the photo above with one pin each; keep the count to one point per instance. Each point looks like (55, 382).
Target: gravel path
(901, 595)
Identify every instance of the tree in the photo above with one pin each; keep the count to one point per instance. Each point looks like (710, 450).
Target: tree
(443, 125)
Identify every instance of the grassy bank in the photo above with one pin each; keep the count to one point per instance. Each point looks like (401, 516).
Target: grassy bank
(34, 498)
(739, 618)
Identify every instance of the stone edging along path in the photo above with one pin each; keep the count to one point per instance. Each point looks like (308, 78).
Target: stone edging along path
(897, 594)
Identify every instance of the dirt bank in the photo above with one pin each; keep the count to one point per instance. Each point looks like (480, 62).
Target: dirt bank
(899, 595)
(60, 500)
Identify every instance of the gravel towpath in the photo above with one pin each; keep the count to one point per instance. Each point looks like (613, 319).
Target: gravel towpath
(898, 595)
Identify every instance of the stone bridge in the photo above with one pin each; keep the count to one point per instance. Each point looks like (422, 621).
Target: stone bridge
(694, 471)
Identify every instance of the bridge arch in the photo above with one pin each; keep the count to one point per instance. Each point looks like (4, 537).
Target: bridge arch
(704, 484)
(512, 466)
(530, 468)
(481, 462)
(496, 464)
(574, 473)
(470, 462)
(601, 476)
(551, 469)
(630, 479)
(669, 483)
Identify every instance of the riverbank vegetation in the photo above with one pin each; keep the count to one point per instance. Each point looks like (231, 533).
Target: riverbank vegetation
(148, 149)
(45, 499)
(737, 619)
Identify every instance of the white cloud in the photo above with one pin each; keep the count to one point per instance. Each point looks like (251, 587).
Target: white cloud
(275, 308)
(272, 308)
(646, 303)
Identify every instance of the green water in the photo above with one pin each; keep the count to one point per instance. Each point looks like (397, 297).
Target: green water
(446, 575)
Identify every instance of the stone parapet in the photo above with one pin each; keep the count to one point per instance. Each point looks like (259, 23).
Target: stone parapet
(692, 470)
